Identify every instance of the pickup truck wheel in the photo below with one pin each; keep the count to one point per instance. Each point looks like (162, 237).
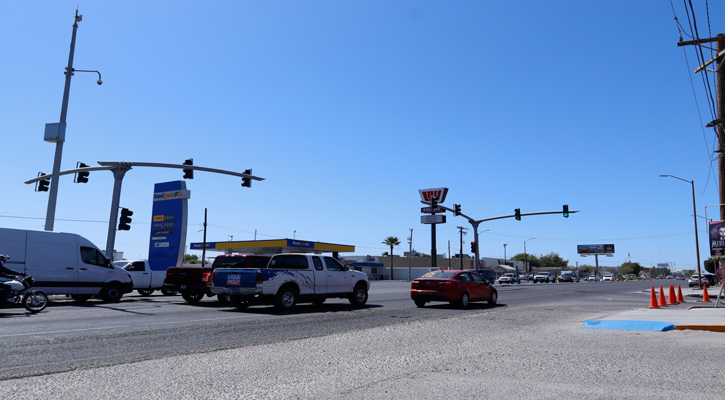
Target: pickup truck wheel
(192, 298)
(493, 299)
(111, 294)
(145, 292)
(359, 296)
(463, 302)
(286, 298)
(167, 292)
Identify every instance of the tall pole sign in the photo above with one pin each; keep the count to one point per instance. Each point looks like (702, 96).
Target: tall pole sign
(433, 197)
(168, 225)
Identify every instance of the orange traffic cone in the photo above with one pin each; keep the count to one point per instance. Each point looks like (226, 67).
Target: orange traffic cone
(705, 296)
(680, 299)
(671, 300)
(653, 299)
(663, 302)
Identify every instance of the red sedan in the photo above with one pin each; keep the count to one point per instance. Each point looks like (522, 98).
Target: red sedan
(455, 287)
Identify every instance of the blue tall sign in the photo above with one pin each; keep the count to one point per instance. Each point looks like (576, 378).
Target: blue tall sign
(168, 225)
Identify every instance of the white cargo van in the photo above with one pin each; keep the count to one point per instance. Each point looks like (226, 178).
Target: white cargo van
(64, 263)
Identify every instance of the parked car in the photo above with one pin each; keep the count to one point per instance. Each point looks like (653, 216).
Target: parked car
(693, 281)
(509, 278)
(608, 278)
(568, 277)
(455, 287)
(542, 277)
(592, 278)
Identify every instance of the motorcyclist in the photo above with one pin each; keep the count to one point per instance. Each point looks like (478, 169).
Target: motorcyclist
(6, 273)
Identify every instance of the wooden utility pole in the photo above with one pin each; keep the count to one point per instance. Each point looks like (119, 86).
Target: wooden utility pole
(719, 122)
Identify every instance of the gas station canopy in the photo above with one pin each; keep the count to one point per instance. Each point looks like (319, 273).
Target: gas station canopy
(276, 246)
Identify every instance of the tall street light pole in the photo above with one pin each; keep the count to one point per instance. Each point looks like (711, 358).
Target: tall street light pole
(526, 262)
(694, 212)
(56, 132)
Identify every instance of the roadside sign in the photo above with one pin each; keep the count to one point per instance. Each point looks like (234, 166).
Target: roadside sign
(438, 193)
(432, 219)
(431, 210)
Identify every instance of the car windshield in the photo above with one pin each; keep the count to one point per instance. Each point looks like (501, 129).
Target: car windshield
(439, 275)
(509, 275)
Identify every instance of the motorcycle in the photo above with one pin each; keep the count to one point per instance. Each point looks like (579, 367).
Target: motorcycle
(22, 292)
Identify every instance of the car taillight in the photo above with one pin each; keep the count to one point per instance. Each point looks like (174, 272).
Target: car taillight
(260, 279)
(205, 277)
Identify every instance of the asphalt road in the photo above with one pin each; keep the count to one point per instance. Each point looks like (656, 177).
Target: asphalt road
(529, 345)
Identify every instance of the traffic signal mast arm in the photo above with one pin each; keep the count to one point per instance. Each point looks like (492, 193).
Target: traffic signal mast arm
(110, 165)
(471, 220)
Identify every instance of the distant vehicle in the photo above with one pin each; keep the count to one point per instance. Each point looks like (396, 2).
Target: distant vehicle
(145, 280)
(592, 278)
(455, 287)
(544, 277)
(568, 277)
(669, 277)
(509, 278)
(607, 278)
(680, 277)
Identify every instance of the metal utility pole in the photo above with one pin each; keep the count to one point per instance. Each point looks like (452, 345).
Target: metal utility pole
(460, 230)
(410, 255)
(719, 122)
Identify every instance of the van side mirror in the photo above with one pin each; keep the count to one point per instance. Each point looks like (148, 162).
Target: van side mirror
(345, 268)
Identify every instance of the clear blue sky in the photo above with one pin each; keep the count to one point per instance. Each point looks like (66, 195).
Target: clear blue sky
(347, 108)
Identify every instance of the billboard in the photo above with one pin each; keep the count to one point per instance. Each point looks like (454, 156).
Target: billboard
(717, 238)
(585, 249)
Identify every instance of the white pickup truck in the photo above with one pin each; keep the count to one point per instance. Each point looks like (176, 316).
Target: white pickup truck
(145, 280)
(289, 279)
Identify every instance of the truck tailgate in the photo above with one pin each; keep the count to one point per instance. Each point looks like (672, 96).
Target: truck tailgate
(235, 280)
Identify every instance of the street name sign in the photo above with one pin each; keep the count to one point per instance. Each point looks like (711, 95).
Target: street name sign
(432, 219)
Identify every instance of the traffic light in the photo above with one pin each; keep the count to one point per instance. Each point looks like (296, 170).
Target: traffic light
(81, 177)
(42, 185)
(125, 219)
(566, 211)
(517, 214)
(473, 247)
(188, 172)
(247, 182)
(457, 208)
(433, 202)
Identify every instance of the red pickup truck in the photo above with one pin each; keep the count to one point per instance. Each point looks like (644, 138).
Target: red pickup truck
(195, 282)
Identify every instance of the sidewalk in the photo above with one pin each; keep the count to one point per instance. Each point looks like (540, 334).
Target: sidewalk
(693, 314)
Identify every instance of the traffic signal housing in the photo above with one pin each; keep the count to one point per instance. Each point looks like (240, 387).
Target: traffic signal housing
(566, 211)
(81, 177)
(188, 172)
(42, 185)
(247, 182)
(517, 214)
(123, 223)
(473, 247)
(457, 209)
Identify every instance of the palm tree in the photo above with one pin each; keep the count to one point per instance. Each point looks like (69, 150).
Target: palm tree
(391, 241)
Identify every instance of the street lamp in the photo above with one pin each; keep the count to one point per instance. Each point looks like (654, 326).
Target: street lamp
(526, 263)
(697, 242)
(504, 256)
(56, 132)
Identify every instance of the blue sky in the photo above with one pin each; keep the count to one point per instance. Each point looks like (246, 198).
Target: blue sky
(347, 108)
